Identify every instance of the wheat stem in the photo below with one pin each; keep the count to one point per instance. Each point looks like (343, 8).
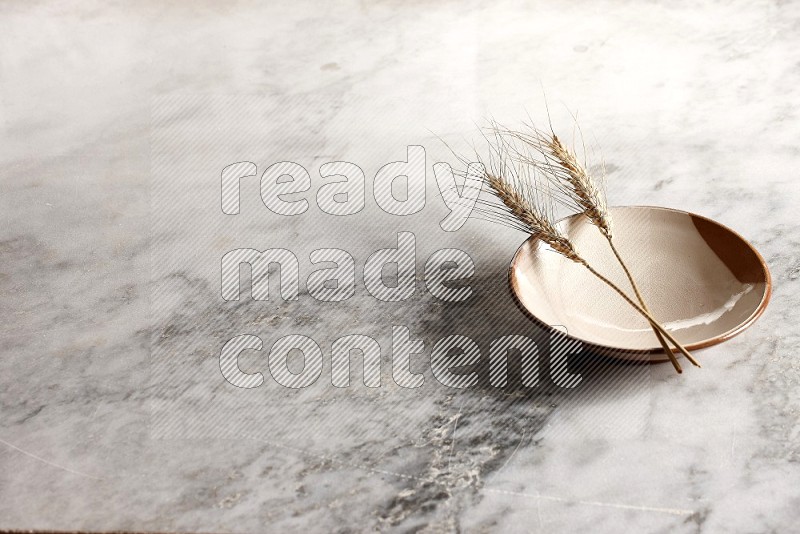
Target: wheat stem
(646, 314)
(661, 340)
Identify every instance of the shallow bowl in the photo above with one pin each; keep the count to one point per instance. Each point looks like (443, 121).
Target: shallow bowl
(704, 282)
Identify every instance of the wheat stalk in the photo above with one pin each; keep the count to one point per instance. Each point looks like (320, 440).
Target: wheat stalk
(561, 164)
(539, 224)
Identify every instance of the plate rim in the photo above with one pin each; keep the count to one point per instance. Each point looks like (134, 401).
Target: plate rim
(610, 350)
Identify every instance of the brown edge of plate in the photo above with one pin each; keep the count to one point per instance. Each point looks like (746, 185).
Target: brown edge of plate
(608, 350)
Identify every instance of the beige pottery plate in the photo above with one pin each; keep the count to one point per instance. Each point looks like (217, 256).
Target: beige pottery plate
(701, 280)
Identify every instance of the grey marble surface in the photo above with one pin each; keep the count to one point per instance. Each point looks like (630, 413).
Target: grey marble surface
(114, 414)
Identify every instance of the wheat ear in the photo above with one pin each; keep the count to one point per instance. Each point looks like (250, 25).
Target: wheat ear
(536, 222)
